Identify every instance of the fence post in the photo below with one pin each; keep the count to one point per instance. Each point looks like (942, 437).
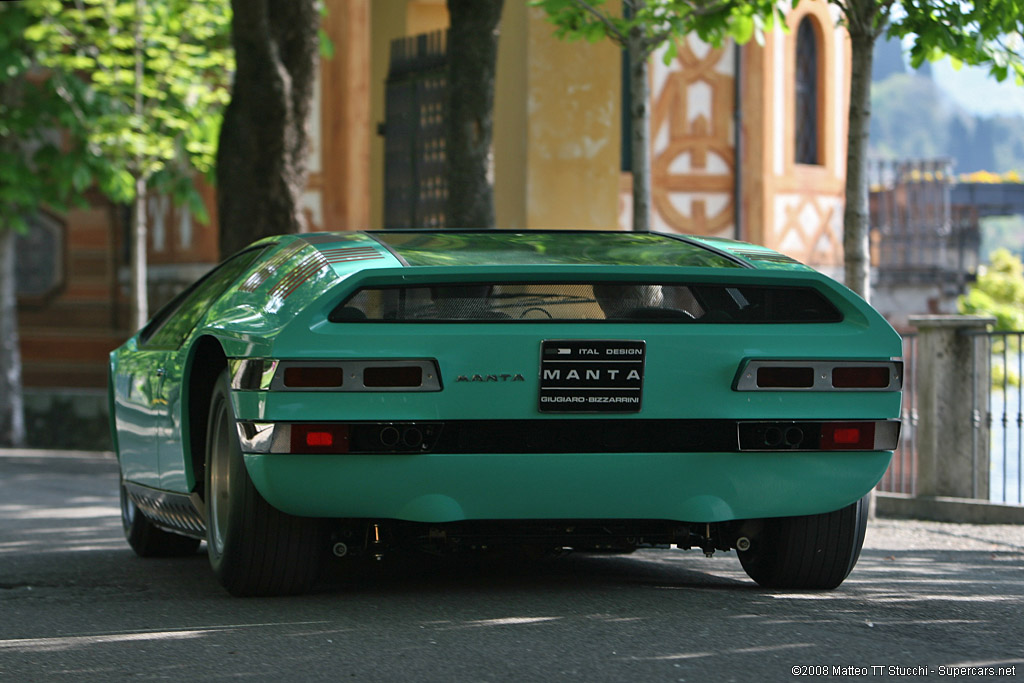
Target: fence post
(953, 388)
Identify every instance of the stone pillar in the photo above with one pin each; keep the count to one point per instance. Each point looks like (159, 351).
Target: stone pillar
(953, 387)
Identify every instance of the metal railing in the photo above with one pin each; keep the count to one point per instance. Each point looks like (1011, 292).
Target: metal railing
(1004, 415)
(998, 461)
(902, 473)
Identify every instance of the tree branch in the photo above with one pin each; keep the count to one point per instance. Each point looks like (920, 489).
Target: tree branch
(702, 10)
(613, 31)
(651, 43)
(880, 18)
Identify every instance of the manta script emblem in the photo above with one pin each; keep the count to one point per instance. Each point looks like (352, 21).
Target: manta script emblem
(501, 377)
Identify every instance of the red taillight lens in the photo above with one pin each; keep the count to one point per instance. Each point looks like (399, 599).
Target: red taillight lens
(785, 377)
(860, 377)
(848, 436)
(399, 376)
(313, 377)
(323, 438)
(319, 439)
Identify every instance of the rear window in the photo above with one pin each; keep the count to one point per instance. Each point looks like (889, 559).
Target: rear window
(585, 301)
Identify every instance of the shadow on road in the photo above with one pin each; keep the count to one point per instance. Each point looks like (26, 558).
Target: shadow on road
(77, 602)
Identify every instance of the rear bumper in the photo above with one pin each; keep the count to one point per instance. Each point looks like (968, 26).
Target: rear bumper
(687, 487)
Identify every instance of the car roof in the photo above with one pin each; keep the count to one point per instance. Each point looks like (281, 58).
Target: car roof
(550, 247)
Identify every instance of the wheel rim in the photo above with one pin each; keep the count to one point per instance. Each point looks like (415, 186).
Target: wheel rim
(220, 479)
(127, 508)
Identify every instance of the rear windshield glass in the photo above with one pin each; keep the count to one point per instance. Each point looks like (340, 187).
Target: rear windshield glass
(599, 301)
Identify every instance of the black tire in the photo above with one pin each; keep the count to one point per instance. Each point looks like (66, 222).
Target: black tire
(810, 552)
(148, 540)
(254, 548)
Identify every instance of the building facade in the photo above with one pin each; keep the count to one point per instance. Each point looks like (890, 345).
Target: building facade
(747, 142)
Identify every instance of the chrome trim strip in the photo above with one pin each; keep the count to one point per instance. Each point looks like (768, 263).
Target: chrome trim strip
(262, 437)
(887, 435)
(746, 377)
(251, 374)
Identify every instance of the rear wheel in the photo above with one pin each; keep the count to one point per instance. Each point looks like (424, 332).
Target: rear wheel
(254, 548)
(148, 540)
(813, 551)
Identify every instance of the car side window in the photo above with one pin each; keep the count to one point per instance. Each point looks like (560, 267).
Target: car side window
(173, 323)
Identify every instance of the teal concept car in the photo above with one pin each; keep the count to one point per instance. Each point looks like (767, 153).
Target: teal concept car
(348, 394)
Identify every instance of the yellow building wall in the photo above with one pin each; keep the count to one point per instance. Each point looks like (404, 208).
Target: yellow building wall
(556, 117)
(425, 16)
(570, 137)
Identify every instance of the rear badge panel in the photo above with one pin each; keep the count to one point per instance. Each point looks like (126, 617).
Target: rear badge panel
(591, 376)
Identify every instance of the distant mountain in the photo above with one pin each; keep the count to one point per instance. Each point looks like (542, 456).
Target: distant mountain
(912, 116)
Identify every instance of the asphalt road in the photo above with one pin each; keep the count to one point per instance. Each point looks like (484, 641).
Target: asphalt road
(76, 604)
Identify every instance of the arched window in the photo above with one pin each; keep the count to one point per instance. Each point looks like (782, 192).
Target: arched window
(807, 151)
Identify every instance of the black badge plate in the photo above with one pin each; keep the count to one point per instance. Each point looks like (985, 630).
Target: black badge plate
(591, 376)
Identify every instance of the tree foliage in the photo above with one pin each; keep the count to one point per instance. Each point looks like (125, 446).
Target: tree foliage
(999, 292)
(156, 73)
(43, 163)
(167, 120)
(656, 23)
(39, 166)
(171, 115)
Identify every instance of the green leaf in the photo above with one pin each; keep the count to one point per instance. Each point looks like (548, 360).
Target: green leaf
(326, 44)
(742, 28)
(81, 178)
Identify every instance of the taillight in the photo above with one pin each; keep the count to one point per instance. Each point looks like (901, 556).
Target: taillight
(784, 377)
(338, 437)
(848, 436)
(368, 375)
(861, 377)
(818, 375)
(408, 376)
(309, 377)
(860, 435)
(319, 438)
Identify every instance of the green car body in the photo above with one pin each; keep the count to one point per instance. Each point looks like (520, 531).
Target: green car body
(410, 380)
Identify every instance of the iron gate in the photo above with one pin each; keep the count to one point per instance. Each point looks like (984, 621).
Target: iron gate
(415, 116)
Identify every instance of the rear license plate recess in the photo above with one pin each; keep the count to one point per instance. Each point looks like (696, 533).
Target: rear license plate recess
(591, 376)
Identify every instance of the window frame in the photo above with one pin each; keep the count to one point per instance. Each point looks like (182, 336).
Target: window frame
(807, 112)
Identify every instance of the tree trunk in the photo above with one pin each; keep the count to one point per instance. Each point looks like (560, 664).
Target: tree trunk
(262, 154)
(472, 59)
(139, 264)
(640, 129)
(140, 272)
(856, 228)
(12, 414)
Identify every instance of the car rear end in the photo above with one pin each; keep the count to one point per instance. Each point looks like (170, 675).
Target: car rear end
(441, 394)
